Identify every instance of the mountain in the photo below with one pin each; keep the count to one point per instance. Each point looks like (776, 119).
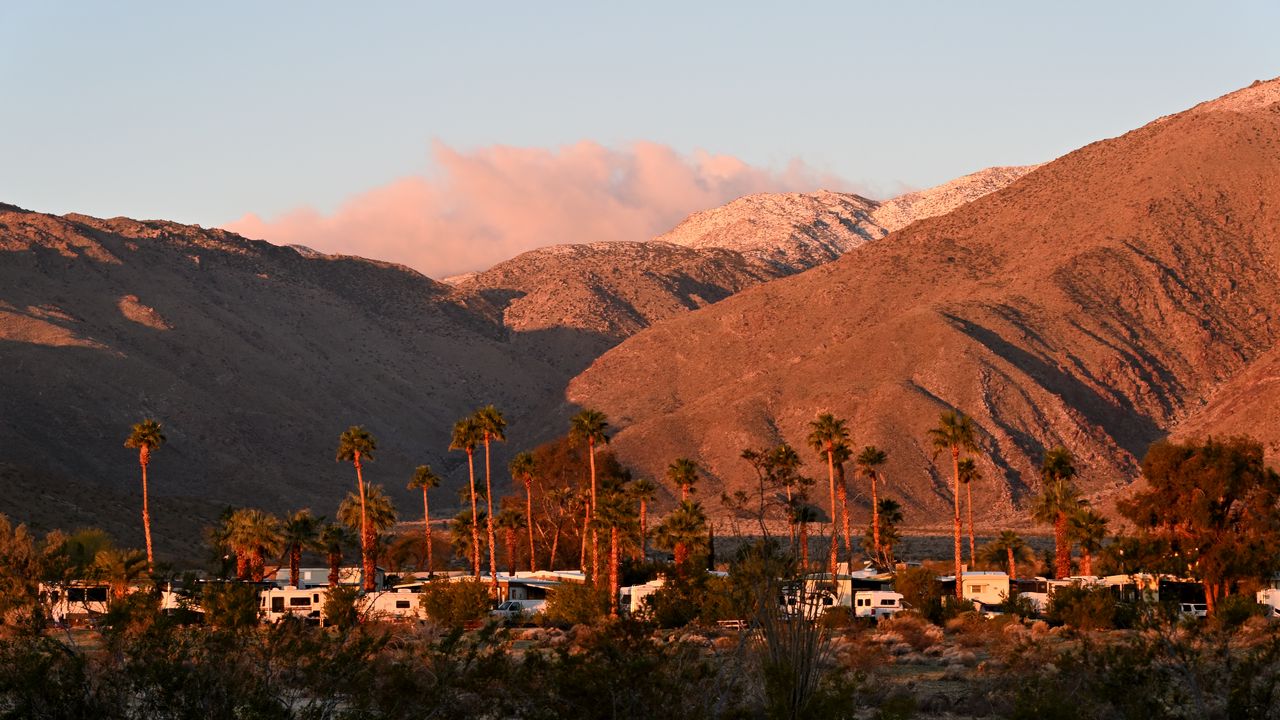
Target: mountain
(606, 292)
(1096, 303)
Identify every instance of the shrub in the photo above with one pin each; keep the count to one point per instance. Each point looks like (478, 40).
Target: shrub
(455, 603)
(340, 607)
(1084, 608)
(576, 604)
(230, 605)
(1235, 610)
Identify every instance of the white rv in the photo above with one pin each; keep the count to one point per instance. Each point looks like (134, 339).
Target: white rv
(876, 603)
(402, 604)
(75, 603)
(275, 604)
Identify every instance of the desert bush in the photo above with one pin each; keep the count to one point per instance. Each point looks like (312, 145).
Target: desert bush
(230, 605)
(1235, 610)
(340, 607)
(914, 630)
(455, 604)
(1083, 608)
(576, 604)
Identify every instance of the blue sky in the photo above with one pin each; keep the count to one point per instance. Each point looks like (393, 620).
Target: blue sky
(202, 112)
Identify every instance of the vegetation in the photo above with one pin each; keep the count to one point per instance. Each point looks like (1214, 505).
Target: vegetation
(424, 479)
(145, 437)
(356, 445)
(1058, 501)
(954, 434)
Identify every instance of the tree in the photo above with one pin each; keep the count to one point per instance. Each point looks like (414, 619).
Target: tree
(616, 515)
(880, 546)
(467, 434)
(803, 513)
(300, 533)
(643, 491)
(592, 427)
(463, 532)
(1057, 502)
(1008, 548)
(825, 434)
(375, 514)
(869, 462)
(424, 479)
(355, 445)
(841, 456)
(145, 437)
(1089, 530)
(1210, 509)
(254, 535)
(685, 527)
(512, 521)
(785, 463)
(334, 538)
(954, 434)
(524, 469)
(120, 569)
(557, 505)
(493, 427)
(970, 474)
(683, 473)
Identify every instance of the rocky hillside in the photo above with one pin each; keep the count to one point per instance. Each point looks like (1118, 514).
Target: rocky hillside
(1096, 303)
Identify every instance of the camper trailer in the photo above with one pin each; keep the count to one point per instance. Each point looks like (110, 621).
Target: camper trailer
(401, 604)
(75, 603)
(876, 603)
(307, 604)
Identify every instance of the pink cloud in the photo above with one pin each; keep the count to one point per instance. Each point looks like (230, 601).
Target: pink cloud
(479, 208)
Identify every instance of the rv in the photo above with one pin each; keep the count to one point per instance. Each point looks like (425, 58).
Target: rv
(275, 604)
(76, 603)
(402, 604)
(876, 603)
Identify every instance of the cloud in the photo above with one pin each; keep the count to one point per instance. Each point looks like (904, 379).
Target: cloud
(481, 207)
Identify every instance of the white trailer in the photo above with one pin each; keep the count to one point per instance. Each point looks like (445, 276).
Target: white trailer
(876, 603)
(401, 604)
(275, 604)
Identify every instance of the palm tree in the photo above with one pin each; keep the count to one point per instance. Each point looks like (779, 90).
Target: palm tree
(467, 434)
(842, 455)
(119, 568)
(512, 521)
(145, 437)
(1058, 501)
(374, 514)
(953, 434)
(643, 491)
(685, 526)
(333, 539)
(424, 479)
(890, 514)
(354, 445)
(591, 426)
(969, 474)
(683, 473)
(868, 461)
(253, 536)
(825, 434)
(615, 514)
(493, 427)
(1008, 548)
(299, 532)
(1089, 529)
(557, 504)
(786, 463)
(802, 513)
(524, 469)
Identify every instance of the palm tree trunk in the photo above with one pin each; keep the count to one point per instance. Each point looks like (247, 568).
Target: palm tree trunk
(528, 513)
(426, 528)
(681, 552)
(1062, 548)
(365, 563)
(370, 569)
(582, 547)
(488, 497)
(295, 563)
(613, 571)
(595, 533)
(242, 565)
(831, 478)
(555, 548)
(968, 491)
(844, 516)
(1013, 565)
(791, 521)
(335, 568)
(955, 464)
(475, 516)
(875, 517)
(804, 546)
(511, 551)
(257, 565)
(644, 534)
(144, 459)
(1086, 561)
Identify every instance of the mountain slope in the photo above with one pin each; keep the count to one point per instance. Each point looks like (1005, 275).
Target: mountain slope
(1093, 303)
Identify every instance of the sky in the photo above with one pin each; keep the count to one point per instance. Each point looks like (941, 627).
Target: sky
(449, 136)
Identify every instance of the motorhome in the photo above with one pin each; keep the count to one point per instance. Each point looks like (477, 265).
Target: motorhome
(75, 603)
(984, 588)
(402, 603)
(876, 603)
(275, 604)
(314, 577)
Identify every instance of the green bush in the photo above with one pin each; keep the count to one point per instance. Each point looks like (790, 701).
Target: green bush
(230, 604)
(1234, 610)
(1083, 608)
(340, 607)
(456, 603)
(576, 604)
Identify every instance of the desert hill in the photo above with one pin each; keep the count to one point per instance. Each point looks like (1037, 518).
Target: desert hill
(1095, 303)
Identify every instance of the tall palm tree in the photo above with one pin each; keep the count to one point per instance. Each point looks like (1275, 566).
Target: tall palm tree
(300, 533)
(145, 437)
(463, 533)
(591, 426)
(786, 462)
(373, 515)
(842, 456)
(684, 527)
(1008, 548)
(1089, 529)
(825, 434)
(643, 491)
(254, 535)
(970, 474)
(868, 461)
(333, 539)
(467, 434)
(802, 513)
(512, 521)
(683, 473)
(424, 479)
(953, 434)
(493, 427)
(354, 446)
(616, 514)
(890, 513)
(524, 469)
(1057, 502)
